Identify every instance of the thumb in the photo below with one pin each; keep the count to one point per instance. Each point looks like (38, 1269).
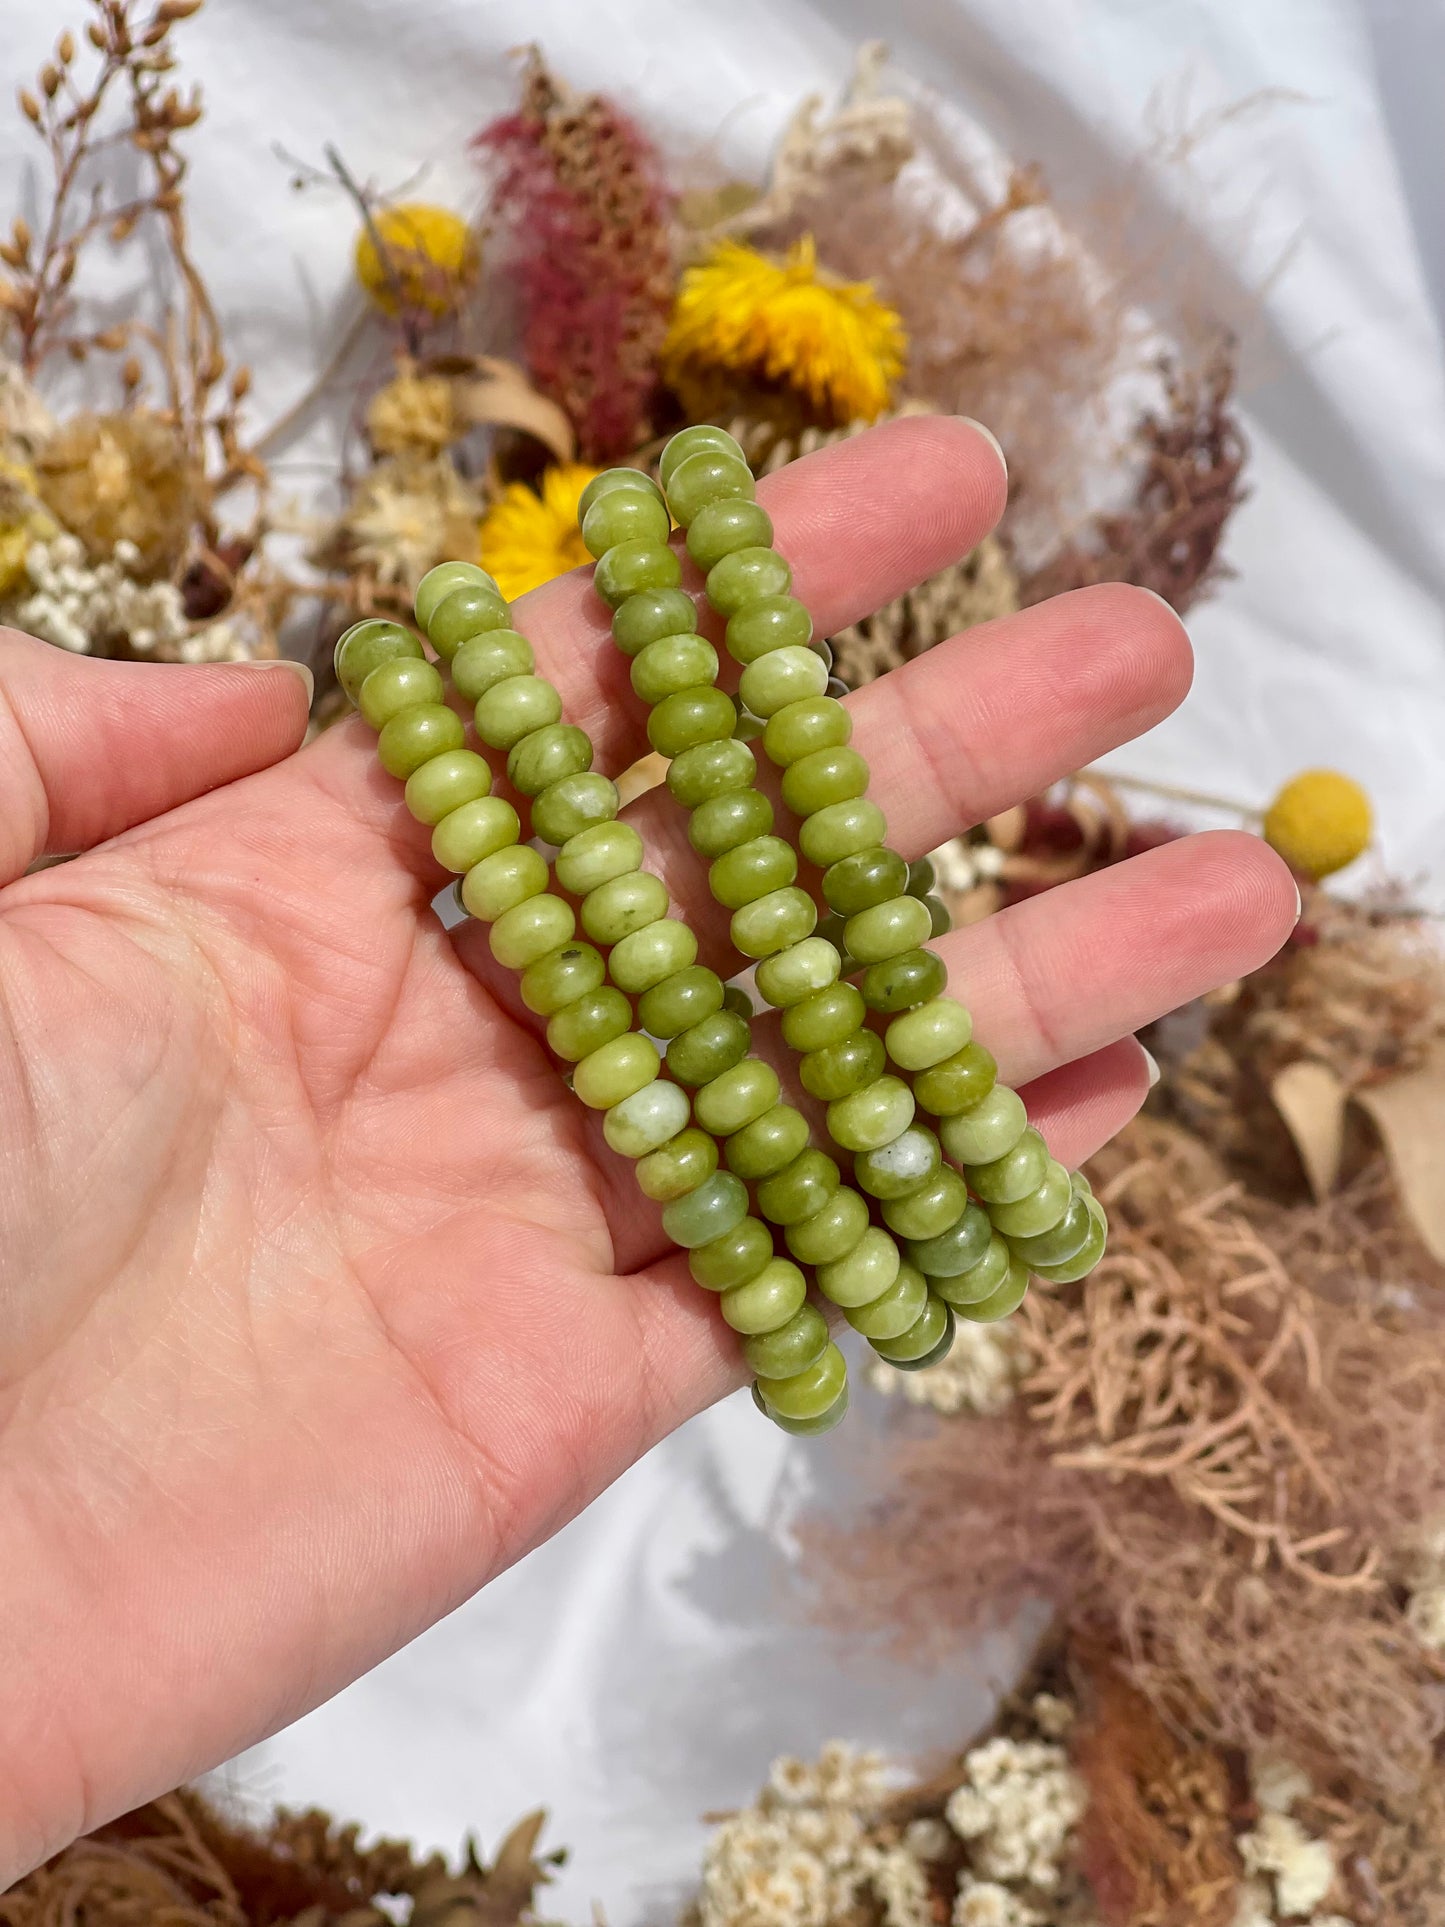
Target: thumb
(88, 748)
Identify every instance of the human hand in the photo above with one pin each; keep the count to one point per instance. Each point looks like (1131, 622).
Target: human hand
(321, 1299)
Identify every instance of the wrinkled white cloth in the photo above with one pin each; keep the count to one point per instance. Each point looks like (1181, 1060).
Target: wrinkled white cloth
(646, 1665)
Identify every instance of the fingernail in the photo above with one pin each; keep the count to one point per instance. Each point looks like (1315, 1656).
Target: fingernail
(1152, 1062)
(285, 662)
(1299, 903)
(992, 440)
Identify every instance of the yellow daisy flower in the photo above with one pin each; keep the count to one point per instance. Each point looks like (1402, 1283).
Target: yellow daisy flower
(526, 538)
(791, 322)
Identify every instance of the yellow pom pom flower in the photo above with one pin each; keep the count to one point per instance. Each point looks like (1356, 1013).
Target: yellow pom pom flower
(426, 258)
(791, 322)
(527, 536)
(1319, 822)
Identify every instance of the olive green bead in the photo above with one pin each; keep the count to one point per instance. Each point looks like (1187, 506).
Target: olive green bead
(928, 1034)
(1043, 1207)
(777, 622)
(614, 910)
(438, 583)
(929, 1210)
(827, 1017)
(736, 997)
(825, 777)
(719, 1205)
(799, 728)
(809, 1394)
(447, 782)
(561, 977)
(468, 611)
(614, 1071)
(709, 1047)
(522, 935)
(831, 930)
(708, 476)
(980, 1280)
(700, 438)
(794, 974)
(924, 1337)
(590, 1023)
(647, 1120)
(800, 1189)
(485, 660)
(921, 877)
(787, 676)
(1014, 1175)
(598, 855)
(478, 830)
(651, 955)
(711, 769)
(751, 870)
(837, 1070)
(871, 1117)
(769, 1144)
(862, 1274)
(992, 1127)
(1001, 1303)
(792, 1347)
(887, 930)
(830, 1232)
(633, 568)
(512, 709)
(1060, 1242)
(746, 576)
(573, 804)
(940, 917)
(1070, 1270)
(899, 1169)
(624, 515)
(396, 686)
(680, 1000)
(679, 1166)
(366, 645)
(416, 735)
(650, 616)
(722, 528)
(767, 1302)
(616, 478)
(894, 1311)
(547, 756)
(952, 1252)
(958, 1083)
(864, 879)
(729, 1260)
(774, 922)
(724, 822)
(840, 830)
(803, 1428)
(512, 874)
(672, 664)
(736, 1097)
(691, 717)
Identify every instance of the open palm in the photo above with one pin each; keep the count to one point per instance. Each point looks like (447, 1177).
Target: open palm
(320, 1297)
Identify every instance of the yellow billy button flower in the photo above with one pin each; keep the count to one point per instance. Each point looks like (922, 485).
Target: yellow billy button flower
(528, 536)
(426, 258)
(1319, 822)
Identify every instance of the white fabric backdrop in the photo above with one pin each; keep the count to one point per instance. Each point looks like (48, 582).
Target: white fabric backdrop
(643, 1667)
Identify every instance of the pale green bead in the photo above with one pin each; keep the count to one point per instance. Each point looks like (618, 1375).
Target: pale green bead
(872, 1117)
(672, 664)
(521, 936)
(507, 877)
(929, 1210)
(800, 727)
(766, 1302)
(778, 622)
(992, 1128)
(415, 736)
(1040, 1210)
(512, 709)
(747, 576)
(705, 477)
(961, 1082)
(624, 515)
(784, 677)
(476, 831)
(926, 1338)
(1060, 1242)
(548, 756)
(650, 616)
(926, 1035)
(700, 438)
(722, 528)
(437, 584)
(718, 1205)
(651, 955)
(635, 568)
(573, 804)
(711, 769)
(396, 686)
(842, 829)
(678, 1167)
(978, 1281)
(690, 718)
(822, 778)
(681, 1000)
(791, 1347)
(899, 1169)
(831, 1232)
(463, 613)
(614, 1071)
(736, 1097)
(611, 478)
(366, 644)
(614, 910)
(809, 1394)
(795, 974)
(826, 1017)
(1004, 1180)
(862, 1274)
(894, 1311)
(769, 1144)
(561, 977)
(800, 1189)
(887, 930)
(488, 659)
(956, 1250)
(646, 1120)
(775, 922)
(1070, 1270)
(1001, 1303)
(594, 1020)
(733, 1257)
(723, 822)
(751, 871)
(594, 857)
(802, 1428)
(445, 783)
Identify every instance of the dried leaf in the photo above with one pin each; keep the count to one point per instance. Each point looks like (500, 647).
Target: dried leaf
(499, 395)
(1409, 1113)
(1311, 1100)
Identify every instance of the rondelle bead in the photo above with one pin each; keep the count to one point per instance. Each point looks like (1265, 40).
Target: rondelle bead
(416, 735)
(581, 1028)
(678, 1167)
(509, 875)
(736, 997)
(871, 1117)
(573, 804)
(809, 1394)
(887, 930)
(952, 1252)
(800, 1189)
(476, 831)
(781, 678)
(826, 777)
(709, 1047)
(803, 1428)
(561, 977)
(1060, 1242)
(596, 856)
(892, 1312)
(634, 568)
(711, 769)
(614, 910)
(902, 982)
(691, 717)
(940, 916)
(766, 1302)
(646, 1120)
(775, 922)
(777, 622)
(719, 1205)
(678, 1001)
(831, 1232)
(864, 879)
(548, 756)
(924, 1036)
(993, 1127)
(700, 438)
(439, 582)
(485, 660)
(980, 1280)
(802, 726)
(396, 686)
(733, 1257)
(1003, 1301)
(522, 935)
(794, 974)
(672, 664)
(841, 829)
(650, 616)
(468, 611)
(768, 1145)
(751, 870)
(725, 822)
(956, 1083)
(1043, 1208)
(862, 1274)
(898, 1169)
(616, 478)
(736, 1097)
(512, 709)
(921, 877)
(614, 1071)
(710, 475)
(837, 1070)
(1070, 1270)
(746, 576)
(791, 1348)
(928, 1335)
(365, 645)
(931, 1209)
(624, 515)
(651, 955)
(722, 528)
(436, 789)
(826, 1017)
(1014, 1175)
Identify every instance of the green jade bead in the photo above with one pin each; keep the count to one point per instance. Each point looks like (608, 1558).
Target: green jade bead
(792, 1348)
(1001, 1303)
(466, 612)
(573, 804)
(931, 1209)
(1043, 1208)
(792, 975)
(777, 622)
(365, 646)
(990, 1130)
(651, 955)
(672, 664)
(633, 568)
(939, 915)
(561, 977)
(872, 1117)
(751, 871)
(624, 515)
(766, 1302)
(929, 1033)
(710, 475)
(928, 1336)
(700, 438)
(800, 1189)
(732, 1258)
(952, 1252)
(396, 686)
(690, 718)
(958, 1083)
(525, 934)
(548, 756)
(775, 922)
(862, 1274)
(768, 1145)
(652, 616)
(437, 584)
(935, 1357)
(921, 877)
(899, 1169)
(831, 928)
(447, 782)
(736, 997)
(711, 769)
(1014, 1175)
(803, 1428)
(1071, 1270)
(859, 882)
(483, 661)
(614, 910)
(894, 1311)
(787, 676)
(709, 1047)
(831, 1232)
(512, 709)
(746, 576)
(647, 1120)
(678, 1167)
(476, 831)
(416, 735)
(590, 1023)
(1060, 1242)
(510, 875)
(841, 829)
(980, 1281)
(827, 1017)
(809, 1394)
(616, 478)
(799, 728)
(596, 856)
(887, 930)
(718, 1206)
(825, 777)
(722, 528)
(681, 1000)
(724, 823)
(615, 1070)
(737, 1097)
(837, 1070)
